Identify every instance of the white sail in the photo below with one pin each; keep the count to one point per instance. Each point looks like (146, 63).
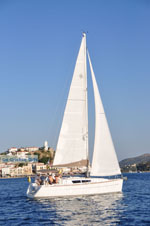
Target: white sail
(104, 161)
(72, 143)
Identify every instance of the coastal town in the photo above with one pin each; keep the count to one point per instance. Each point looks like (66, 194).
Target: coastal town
(25, 161)
(29, 161)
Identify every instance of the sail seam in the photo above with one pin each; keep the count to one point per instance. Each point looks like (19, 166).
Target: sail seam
(76, 100)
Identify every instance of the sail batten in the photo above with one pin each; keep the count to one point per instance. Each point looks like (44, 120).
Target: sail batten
(104, 162)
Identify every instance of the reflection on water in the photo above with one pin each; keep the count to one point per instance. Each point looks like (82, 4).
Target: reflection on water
(128, 208)
(87, 210)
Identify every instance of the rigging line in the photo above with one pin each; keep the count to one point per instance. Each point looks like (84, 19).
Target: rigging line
(91, 113)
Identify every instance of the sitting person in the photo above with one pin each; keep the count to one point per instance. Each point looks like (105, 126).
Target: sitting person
(50, 179)
(57, 179)
(38, 180)
(53, 176)
(46, 180)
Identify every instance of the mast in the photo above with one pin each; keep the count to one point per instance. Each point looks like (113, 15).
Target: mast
(86, 106)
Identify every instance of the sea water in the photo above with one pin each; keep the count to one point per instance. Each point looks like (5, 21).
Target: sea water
(131, 207)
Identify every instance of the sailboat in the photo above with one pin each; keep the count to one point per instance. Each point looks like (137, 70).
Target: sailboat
(104, 175)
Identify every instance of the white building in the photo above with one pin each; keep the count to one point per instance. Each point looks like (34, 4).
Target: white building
(46, 145)
(12, 150)
(22, 154)
(14, 171)
(2, 165)
(31, 149)
(39, 166)
(5, 171)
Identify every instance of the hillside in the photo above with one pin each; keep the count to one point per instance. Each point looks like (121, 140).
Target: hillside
(137, 164)
(45, 156)
(136, 160)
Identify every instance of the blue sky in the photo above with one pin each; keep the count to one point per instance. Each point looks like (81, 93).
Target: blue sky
(39, 42)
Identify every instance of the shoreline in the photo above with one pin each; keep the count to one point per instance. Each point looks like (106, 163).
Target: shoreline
(25, 176)
(33, 175)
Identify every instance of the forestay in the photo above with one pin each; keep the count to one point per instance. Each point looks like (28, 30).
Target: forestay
(72, 143)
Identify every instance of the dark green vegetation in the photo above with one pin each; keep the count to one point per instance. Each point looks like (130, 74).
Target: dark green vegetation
(138, 164)
(45, 156)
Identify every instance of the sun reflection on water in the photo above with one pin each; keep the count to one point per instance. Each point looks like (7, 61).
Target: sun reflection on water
(86, 210)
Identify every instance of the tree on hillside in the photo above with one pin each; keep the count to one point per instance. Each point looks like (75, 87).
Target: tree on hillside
(44, 159)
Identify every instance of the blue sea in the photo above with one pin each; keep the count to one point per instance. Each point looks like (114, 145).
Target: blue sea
(132, 207)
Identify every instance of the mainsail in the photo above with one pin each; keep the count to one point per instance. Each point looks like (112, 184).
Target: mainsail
(104, 161)
(72, 143)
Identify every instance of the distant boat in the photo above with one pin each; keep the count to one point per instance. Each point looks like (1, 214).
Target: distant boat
(72, 146)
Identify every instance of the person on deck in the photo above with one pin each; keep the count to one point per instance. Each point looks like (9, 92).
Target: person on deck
(50, 179)
(47, 179)
(38, 179)
(53, 176)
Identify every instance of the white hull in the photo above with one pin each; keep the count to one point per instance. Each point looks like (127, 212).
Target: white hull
(67, 188)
